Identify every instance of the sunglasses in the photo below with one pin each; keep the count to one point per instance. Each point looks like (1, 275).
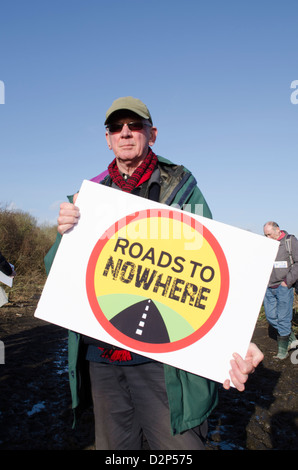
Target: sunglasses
(133, 126)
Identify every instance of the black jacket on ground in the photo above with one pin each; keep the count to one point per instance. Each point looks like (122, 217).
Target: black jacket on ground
(5, 266)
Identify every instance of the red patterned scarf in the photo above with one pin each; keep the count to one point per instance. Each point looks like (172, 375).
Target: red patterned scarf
(141, 174)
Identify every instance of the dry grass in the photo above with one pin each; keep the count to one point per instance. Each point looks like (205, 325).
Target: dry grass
(24, 244)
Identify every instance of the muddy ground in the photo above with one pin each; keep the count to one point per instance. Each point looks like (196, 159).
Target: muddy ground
(35, 409)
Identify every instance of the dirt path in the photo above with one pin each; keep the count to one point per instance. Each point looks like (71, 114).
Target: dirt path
(35, 402)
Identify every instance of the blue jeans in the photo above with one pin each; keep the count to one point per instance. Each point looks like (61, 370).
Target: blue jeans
(278, 304)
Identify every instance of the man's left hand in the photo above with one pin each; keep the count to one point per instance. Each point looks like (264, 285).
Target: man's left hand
(241, 368)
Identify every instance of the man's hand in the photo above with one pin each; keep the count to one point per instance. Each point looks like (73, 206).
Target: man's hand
(68, 216)
(241, 368)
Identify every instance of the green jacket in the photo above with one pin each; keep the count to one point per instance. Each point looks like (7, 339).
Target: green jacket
(191, 398)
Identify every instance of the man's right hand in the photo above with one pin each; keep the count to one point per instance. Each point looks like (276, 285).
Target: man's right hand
(68, 216)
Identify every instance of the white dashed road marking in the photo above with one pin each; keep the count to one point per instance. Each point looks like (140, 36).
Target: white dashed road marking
(139, 331)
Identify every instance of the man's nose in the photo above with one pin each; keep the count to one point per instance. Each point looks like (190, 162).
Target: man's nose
(125, 131)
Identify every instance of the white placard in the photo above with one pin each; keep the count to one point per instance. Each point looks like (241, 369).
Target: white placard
(201, 283)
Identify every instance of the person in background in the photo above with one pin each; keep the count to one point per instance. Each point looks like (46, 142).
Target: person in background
(7, 269)
(133, 394)
(279, 296)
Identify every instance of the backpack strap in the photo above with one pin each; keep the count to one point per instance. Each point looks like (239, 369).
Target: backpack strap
(289, 247)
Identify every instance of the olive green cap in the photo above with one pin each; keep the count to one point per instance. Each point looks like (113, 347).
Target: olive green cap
(131, 104)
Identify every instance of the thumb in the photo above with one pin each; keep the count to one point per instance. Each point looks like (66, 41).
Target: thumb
(75, 197)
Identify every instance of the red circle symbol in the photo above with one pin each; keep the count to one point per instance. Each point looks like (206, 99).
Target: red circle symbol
(168, 346)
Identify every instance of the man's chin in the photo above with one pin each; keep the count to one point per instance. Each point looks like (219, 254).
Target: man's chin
(128, 157)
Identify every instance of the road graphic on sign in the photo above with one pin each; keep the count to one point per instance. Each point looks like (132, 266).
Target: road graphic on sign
(142, 321)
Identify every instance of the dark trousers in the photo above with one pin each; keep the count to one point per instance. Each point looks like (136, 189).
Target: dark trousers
(131, 400)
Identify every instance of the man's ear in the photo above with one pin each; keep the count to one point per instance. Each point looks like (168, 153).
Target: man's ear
(153, 135)
(108, 140)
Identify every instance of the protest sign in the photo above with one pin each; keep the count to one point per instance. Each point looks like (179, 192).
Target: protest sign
(159, 281)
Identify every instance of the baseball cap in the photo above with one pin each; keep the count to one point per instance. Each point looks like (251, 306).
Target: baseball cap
(131, 104)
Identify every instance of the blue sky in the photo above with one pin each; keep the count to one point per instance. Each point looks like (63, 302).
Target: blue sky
(216, 76)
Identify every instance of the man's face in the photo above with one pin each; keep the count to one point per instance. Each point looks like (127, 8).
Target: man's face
(128, 145)
(272, 232)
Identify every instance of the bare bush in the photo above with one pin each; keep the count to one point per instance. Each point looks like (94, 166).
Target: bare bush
(24, 244)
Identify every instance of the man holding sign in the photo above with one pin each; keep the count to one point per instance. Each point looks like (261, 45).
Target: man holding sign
(133, 394)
